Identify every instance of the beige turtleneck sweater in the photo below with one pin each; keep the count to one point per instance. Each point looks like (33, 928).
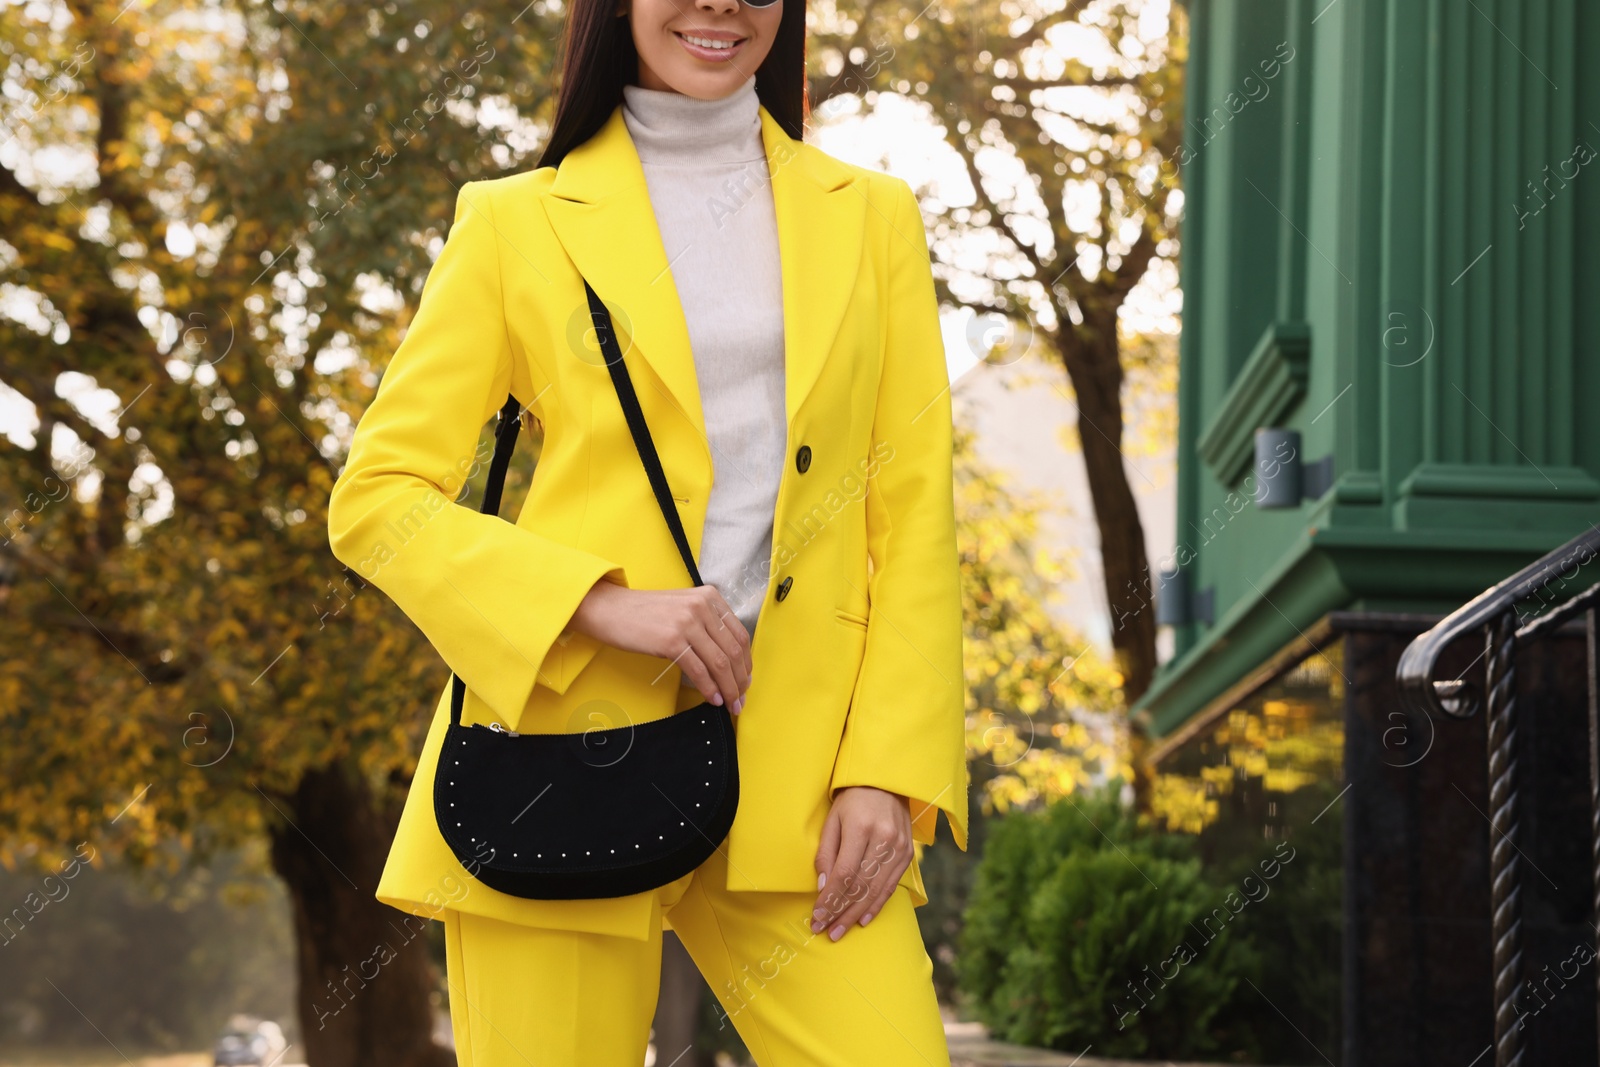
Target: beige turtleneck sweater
(706, 170)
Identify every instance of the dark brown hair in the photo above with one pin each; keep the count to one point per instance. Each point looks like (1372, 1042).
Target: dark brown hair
(598, 59)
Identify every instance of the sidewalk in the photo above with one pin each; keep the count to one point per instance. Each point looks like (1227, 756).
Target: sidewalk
(970, 1047)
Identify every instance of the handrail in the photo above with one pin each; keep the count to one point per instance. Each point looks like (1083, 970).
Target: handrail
(1494, 615)
(1561, 613)
(1459, 698)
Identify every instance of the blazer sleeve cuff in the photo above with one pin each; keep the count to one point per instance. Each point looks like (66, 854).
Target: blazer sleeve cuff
(927, 798)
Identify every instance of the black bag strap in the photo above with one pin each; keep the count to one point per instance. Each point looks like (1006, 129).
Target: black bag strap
(638, 428)
(505, 442)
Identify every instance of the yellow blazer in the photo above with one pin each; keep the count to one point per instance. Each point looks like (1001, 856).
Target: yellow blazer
(857, 675)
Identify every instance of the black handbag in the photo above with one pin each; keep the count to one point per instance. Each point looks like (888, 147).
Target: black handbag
(603, 813)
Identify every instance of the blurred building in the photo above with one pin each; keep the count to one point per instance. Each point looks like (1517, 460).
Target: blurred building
(1390, 266)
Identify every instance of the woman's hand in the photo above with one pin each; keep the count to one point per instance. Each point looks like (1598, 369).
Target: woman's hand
(866, 847)
(693, 627)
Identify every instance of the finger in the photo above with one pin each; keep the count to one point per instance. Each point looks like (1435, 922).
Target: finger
(844, 885)
(893, 866)
(745, 642)
(694, 670)
(878, 881)
(731, 634)
(725, 614)
(827, 849)
(717, 663)
(733, 639)
(840, 880)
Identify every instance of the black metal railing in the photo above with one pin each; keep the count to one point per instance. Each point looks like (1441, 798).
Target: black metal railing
(1498, 615)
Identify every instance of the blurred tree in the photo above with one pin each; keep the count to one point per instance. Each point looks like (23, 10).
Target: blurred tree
(1037, 692)
(1066, 117)
(215, 221)
(1041, 700)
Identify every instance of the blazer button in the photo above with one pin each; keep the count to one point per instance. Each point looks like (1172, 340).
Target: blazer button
(802, 459)
(783, 587)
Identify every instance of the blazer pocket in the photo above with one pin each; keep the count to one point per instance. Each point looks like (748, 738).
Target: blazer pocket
(850, 618)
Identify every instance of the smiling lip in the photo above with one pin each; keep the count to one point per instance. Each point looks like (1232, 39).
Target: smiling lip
(715, 53)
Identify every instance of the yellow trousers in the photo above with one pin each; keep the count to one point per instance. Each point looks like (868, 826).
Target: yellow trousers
(523, 996)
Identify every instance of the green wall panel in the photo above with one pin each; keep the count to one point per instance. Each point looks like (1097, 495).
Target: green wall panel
(1417, 195)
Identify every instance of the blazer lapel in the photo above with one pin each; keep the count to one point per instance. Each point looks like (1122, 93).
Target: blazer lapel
(821, 222)
(599, 207)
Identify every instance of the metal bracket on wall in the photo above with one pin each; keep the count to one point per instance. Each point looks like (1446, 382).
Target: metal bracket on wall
(1172, 598)
(1316, 478)
(1177, 604)
(1286, 480)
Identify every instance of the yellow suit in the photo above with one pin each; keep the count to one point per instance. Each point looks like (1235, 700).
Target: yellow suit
(857, 675)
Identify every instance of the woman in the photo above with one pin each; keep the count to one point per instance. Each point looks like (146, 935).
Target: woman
(777, 313)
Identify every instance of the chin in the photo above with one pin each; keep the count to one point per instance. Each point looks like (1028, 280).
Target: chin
(703, 85)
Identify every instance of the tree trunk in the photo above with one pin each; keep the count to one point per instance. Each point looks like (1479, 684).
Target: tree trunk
(1093, 358)
(365, 978)
(1093, 362)
(677, 1021)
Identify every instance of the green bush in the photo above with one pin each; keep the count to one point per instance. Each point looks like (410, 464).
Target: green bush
(1084, 929)
(1299, 927)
